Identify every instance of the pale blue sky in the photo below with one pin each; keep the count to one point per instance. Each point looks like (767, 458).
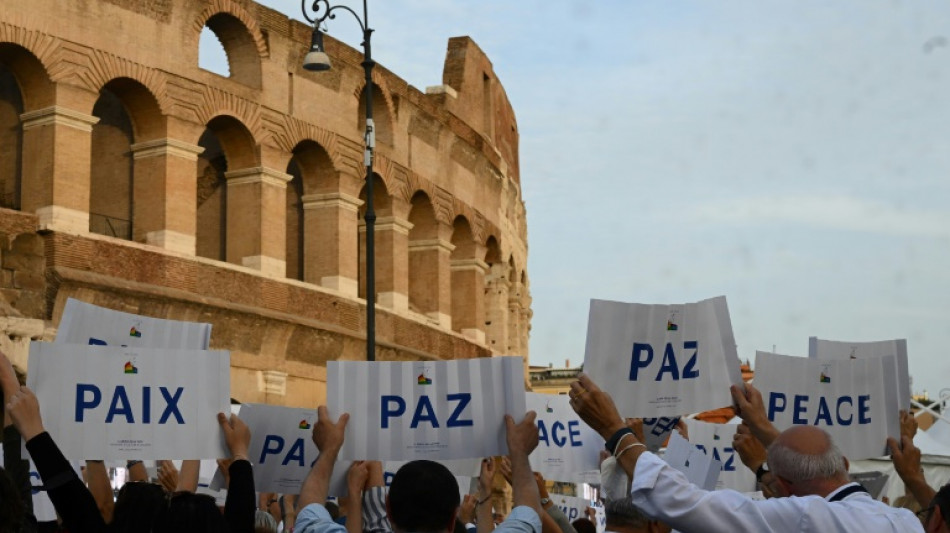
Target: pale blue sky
(792, 156)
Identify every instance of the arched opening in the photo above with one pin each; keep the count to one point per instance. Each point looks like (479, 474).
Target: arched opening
(211, 54)
(382, 119)
(243, 63)
(24, 159)
(423, 256)
(11, 140)
(382, 206)
(312, 171)
(111, 174)
(295, 222)
(211, 227)
(468, 281)
(228, 145)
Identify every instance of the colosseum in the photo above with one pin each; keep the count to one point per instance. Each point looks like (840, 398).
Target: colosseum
(133, 179)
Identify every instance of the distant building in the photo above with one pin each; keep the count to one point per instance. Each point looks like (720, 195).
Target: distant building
(550, 380)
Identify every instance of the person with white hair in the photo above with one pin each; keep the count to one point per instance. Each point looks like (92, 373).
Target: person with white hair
(809, 468)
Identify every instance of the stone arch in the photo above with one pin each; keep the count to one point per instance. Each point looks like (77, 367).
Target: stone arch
(492, 251)
(141, 105)
(111, 172)
(32, 76)
(424, 255)
(241, 37)
(311, 171)
(383, 113)
(383, 207)
(288, 133)
(227, 146)
(467, 282)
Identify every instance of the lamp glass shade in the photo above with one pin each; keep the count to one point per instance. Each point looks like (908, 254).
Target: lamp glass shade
(317, 59)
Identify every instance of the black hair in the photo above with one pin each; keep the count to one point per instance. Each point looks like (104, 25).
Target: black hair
(11, 507)
(186, 512)
(942, 500)
(423, 497)
(583, 525)
(136, 506)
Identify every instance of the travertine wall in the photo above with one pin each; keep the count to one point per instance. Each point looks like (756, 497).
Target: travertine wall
(135, 180)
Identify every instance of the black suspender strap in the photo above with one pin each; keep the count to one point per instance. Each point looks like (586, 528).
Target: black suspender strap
(844, 493)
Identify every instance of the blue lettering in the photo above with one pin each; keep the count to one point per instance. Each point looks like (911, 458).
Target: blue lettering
(429, 415)
(387, 412)
(636, 362)
(842, 421)
(171, 405)
(542, 433)
(35, 487)
(96, 342)
(824, 413)
(559, 442)
(388, 478)
(81, 403)
(146, 405)
(295, 454)
(120, 397)
(273, 444)
(463, 398)
(864, 408)
(574, 432)
(799, 409)
(690, 371)
(774, 406)
(669, 364)
(729, 465)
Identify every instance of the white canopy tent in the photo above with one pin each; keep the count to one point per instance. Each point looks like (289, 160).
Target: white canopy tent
(934, 447)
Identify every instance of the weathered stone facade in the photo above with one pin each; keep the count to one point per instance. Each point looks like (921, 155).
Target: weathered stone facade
(131, 178)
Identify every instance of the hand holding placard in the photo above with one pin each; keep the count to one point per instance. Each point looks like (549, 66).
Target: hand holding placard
(595, 407)
(751, 409)
(24, 409)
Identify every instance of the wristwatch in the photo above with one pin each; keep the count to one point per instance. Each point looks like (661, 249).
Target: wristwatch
(545, 501)
(760, 472)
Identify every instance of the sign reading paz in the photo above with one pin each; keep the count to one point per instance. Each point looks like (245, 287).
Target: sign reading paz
(282, 447)
(566, 445)
(716, 440)
(402, 411)
(131, 403)
(848, 399)
(662, 360)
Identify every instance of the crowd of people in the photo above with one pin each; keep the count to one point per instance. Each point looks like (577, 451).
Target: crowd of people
(801, 472)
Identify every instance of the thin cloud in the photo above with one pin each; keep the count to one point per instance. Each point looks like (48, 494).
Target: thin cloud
(835, 212)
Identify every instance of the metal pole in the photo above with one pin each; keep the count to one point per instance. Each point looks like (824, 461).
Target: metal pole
(370, 216)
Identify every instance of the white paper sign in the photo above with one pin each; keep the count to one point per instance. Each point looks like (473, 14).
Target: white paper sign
(662, 360)
(282, 447)
(573, 507)
(657, 430)
(700, 469)
(84, 323)
(716, 440)
(566, 445)
(848, 399)
(426, 409)
(840, 350)
(101, 402)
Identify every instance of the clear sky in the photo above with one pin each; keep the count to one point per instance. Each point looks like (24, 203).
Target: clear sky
(793, 156)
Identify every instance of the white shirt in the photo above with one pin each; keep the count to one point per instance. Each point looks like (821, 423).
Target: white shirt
(663, 492)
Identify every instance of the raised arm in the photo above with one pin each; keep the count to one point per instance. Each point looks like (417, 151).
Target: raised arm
(906, 459)
(522, 440)
(328, 436)
(751, 409)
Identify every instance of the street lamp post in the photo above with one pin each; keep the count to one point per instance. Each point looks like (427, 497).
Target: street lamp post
(317, 60)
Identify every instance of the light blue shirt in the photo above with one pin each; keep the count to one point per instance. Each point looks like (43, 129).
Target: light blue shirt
(314, 518)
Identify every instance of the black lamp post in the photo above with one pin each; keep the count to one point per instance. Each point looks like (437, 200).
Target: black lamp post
(317, 60)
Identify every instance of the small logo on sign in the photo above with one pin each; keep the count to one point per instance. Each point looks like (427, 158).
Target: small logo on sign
(304, 424)
(548, 407)
(423, 380)
(130, 368)
(825, 378)
(853, 355)
(671, 324)
(135, 332)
